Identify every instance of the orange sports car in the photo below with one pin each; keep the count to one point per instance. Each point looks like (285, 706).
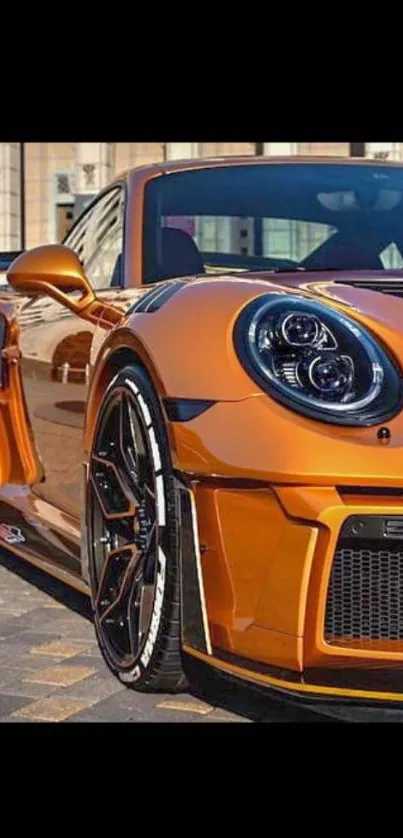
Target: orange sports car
(201, 420)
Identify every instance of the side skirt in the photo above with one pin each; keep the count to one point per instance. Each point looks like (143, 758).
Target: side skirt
(41, 541)
(195, 628)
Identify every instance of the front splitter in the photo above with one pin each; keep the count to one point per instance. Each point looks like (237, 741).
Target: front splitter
(346, 703)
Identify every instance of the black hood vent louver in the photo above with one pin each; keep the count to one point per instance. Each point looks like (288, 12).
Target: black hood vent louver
(393, 287)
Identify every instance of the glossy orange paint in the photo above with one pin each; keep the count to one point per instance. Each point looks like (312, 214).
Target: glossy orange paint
(55, 270)
(256, 568)
(264, 478)
(231, 439)
(266, 566)
(18, 460)
(51, 269)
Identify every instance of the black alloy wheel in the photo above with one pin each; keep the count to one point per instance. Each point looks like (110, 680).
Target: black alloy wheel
(133, 538)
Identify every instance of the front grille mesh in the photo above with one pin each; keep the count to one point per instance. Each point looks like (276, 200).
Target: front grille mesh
(365, 595)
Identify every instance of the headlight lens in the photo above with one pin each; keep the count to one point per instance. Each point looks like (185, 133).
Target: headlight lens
(317, 361)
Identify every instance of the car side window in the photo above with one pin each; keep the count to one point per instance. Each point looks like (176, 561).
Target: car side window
(97, 239)
(103, 247)
(76, 238)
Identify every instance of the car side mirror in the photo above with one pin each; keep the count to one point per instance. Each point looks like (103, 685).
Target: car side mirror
(56, 271)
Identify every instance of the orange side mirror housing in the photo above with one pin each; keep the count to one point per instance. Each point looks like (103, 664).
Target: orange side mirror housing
(56, 271)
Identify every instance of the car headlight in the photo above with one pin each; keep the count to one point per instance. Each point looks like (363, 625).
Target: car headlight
(317, 361)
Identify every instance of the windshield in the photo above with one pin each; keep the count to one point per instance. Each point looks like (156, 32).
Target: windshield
(274, 216)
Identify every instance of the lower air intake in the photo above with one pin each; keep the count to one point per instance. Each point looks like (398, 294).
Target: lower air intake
(365, 594)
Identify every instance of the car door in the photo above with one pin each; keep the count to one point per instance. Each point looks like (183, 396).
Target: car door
(56, 349)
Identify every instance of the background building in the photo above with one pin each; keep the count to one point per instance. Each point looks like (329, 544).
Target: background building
(44, 186)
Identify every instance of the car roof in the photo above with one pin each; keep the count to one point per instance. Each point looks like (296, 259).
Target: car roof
(169, 166)
(252, 160)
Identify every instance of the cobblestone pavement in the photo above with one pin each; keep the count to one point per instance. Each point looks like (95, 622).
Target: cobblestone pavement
(51, 669)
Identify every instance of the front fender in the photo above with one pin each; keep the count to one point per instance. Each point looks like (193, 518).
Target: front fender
(188, 340)
(186, 345)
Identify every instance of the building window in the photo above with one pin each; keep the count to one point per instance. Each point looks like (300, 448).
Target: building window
(63, 204)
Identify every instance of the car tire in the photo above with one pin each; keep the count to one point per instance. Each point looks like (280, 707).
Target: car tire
(155, 663)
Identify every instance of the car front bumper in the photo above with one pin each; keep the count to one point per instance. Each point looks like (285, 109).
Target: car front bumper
(300, 532)
(303, 589)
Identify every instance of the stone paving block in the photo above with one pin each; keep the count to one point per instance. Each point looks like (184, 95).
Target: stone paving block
(10, 703)
(158, 716)
(121, 707)
(23, 595)
(94, 660)
(116, 715)
(26, 640)
(221, 715)
(57, 605)
(185, 705)
(70, 619)
(86, 719)
(155, 717)
(63, 676)
(8, 627)
(227, 718)
(72, 632)
(7, 677)
(96, 688)
(93, 651)
(14, 612)
(54, 709)
(40, 619)
(24, 688)
(18, 660)
(58, 648)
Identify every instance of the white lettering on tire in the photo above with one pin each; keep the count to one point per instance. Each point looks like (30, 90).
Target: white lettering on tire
(159, 481)
(143, 407)
(129, 677)
(158, 603)
(135, 674)
(155, 450)
(132, 385)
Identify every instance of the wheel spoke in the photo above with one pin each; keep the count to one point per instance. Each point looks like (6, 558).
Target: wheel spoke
(139, 613)
(118, 494)
(133, 447)
(110, 492)
(127, 439)
(148, 492)
(120, 568)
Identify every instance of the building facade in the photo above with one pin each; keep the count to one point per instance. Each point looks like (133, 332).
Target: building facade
(45, 186)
